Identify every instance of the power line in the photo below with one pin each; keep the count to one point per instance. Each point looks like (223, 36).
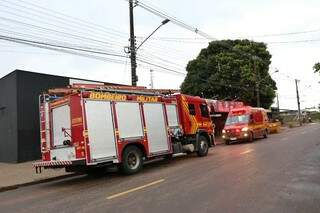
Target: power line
(73, 50)
(157, 58)
(172, 19)
(61, 33)
(247, 36)
(70, 25)
(159, 66)
(25, 41)
(189, 41)
(61, 44)
(65, 33)
(286, 34)
(48, 39)
(62, 16)
(94, 50)
(55, 31)
(295, 41)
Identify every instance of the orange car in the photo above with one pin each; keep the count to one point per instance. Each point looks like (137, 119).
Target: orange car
(274, 126)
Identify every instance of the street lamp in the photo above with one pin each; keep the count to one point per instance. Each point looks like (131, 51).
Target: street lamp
(133, 51)
(162, 23)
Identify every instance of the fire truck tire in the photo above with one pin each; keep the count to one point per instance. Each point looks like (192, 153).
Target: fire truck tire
(203, 146)
(132, 161)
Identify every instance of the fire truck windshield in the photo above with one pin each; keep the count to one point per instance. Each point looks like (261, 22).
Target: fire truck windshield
(237, 119)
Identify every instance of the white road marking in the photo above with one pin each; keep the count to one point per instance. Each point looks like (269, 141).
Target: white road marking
(246, 152)
(135, 189)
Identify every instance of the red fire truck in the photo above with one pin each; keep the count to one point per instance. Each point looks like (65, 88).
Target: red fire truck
(83, 129)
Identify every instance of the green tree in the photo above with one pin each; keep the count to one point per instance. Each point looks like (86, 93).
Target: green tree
(231, 69)
(316, 67)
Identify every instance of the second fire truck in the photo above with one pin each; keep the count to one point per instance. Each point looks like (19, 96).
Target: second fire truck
(89, 128)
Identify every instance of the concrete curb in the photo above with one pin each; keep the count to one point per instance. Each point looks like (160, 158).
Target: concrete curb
(16, 186)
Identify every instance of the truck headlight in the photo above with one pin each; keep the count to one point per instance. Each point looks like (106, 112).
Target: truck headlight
(244, 129)
(223, 131)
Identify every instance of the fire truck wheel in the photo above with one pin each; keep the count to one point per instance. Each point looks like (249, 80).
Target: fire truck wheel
(131, 160)
(203, 146)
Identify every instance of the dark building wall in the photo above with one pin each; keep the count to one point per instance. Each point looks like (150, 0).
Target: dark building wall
(29, 87)
(8, 119)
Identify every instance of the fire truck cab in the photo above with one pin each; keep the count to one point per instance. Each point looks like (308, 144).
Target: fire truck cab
(89, 129)
(245, 124)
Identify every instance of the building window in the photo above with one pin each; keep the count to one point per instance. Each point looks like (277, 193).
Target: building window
(204, 110)
(192, 109)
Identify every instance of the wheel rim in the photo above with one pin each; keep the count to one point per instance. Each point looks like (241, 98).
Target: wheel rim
(203, 146)
(133, 160)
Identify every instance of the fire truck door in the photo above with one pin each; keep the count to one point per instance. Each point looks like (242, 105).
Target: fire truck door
(61, 125)
(156, 127)
(100, 130)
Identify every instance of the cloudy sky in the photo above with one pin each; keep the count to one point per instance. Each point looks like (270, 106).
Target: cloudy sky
(290, 28)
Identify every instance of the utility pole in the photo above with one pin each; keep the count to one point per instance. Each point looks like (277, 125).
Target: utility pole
(151, 79)
(134, 77)
(298, 101)
(278, 102)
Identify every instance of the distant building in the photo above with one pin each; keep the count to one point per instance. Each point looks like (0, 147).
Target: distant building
(19, 112)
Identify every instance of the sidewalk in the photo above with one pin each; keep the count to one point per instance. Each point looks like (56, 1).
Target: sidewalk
(15, 175)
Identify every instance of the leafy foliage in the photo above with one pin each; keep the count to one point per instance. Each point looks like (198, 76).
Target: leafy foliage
(316, 67)
(231, 69)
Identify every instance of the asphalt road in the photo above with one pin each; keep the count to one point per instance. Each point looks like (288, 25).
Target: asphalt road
(278, 174)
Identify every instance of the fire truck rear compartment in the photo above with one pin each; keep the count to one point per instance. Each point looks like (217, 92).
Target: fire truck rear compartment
(101, 134)
(61, 128)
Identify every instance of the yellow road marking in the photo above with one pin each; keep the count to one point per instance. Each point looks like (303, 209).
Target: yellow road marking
(246, 152)
(135, 189)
